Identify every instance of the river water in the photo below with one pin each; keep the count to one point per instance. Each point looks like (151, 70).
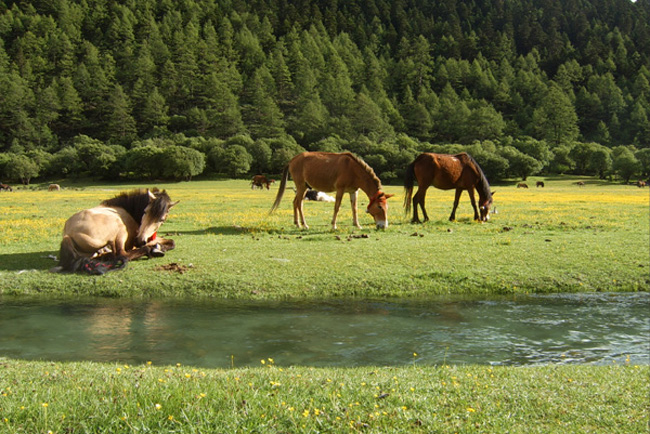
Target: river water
(516, 330)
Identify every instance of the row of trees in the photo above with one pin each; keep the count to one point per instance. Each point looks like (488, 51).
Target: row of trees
(181, 158)
(363, 75)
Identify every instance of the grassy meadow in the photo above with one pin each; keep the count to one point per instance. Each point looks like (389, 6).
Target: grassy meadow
(561, 238)
(45, 397)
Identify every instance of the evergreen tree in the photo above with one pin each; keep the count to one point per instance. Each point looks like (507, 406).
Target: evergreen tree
(120, 126)
(367, 118)
(154, 111)
(555, 119)
(262, 116)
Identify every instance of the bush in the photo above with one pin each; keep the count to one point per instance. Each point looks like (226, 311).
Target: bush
(21, 167)
(236, 161)
(181, 162)
(144, 161)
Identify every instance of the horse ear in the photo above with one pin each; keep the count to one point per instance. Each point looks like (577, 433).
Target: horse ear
(151, 195)
(388, 195)
(492, 193)
(173, 203)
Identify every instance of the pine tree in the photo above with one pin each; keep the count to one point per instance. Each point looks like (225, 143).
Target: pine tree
(120, 125)
(261, 114)
(555, 119)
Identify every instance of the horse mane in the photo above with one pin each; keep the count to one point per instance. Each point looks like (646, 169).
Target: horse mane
(367, 168)
(483, 186)
(136, 201)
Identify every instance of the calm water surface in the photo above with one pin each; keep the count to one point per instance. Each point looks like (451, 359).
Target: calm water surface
(521, 330)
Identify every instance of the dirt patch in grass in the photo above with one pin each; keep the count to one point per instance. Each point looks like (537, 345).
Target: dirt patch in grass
(174, 267)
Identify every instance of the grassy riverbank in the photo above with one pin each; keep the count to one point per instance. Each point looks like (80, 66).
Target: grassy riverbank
(558, 239)
(561, 238)
(40, 397)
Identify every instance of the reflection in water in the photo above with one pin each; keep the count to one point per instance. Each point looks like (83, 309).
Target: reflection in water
(581, 328)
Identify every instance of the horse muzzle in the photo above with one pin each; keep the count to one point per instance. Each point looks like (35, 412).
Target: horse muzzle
(139, 242)
(381, 224)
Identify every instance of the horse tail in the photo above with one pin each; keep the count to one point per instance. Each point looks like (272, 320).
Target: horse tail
(71, 261)
(409, 181)
(283, 185)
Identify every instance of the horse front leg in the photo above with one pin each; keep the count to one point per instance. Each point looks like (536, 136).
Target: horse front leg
(470, 191)
(353, 204)
(166, 244)
(337, 206)
(452, 217)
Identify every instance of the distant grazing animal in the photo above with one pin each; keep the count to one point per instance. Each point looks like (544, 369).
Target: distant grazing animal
(125, 226)
(6, 187)
(447, 172)
(640, 184)
(54, 187)
(540, 184)
(580, 184)
(318, 196)
(339, 172)
(522, 185)
(260, 181)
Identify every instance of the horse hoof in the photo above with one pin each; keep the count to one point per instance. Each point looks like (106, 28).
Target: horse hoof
(167, 245)
(156, 252)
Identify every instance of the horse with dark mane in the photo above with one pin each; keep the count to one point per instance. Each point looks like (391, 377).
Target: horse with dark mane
(334, 172)
(447, 172)
(119, 230)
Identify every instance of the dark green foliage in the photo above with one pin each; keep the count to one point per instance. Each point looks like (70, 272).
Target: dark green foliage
(535, 80)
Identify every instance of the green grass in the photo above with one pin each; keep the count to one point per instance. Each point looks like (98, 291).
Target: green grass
(558, 239)
(41, 397)
(562, 238)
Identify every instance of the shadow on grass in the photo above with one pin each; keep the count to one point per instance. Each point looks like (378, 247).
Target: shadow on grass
(291, 231)
(28, 261)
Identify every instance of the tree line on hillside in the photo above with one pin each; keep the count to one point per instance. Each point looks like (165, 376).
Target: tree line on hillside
(158, 89)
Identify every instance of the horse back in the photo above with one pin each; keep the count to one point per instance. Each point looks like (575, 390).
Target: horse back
(443, 171)
(325, 171)
(94, 228)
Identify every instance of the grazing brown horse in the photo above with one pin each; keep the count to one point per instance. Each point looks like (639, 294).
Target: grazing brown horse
(125, 226)
(522, 185)
(540, 184)
(640, 184)
(447, 172)
(6, 187)
(259, 181)
(333, 172)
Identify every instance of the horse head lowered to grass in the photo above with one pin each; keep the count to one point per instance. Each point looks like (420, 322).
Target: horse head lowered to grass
(334, 172)
(447, 172)
(119, 230)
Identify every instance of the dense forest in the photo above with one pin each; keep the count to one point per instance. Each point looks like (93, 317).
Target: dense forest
(162, 89)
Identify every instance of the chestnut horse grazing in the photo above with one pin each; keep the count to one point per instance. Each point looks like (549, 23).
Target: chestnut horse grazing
(259, 181)
(332, 172)
(447, 172)
(120, 229)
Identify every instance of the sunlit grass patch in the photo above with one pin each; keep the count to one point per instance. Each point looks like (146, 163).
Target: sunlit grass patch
(539, 240)
(116, 398)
